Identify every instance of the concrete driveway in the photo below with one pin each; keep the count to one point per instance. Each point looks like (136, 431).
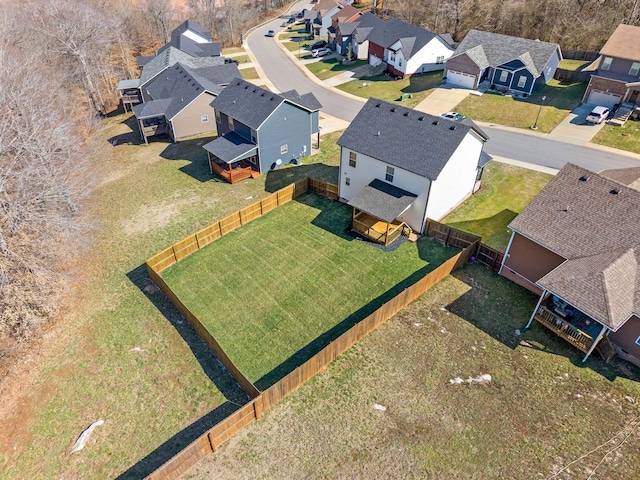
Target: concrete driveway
(574, 129)
(442, 99)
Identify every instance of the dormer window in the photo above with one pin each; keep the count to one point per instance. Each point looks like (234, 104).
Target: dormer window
(635, 68)
(606, 63)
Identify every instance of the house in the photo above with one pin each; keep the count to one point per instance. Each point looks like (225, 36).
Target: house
(617, 78)
(348, 14)
(399, 167)
(260, 130)
(511, 63)
(190, 44)
(406, 49)
(577, 244)
(324, 10)
(178, 101)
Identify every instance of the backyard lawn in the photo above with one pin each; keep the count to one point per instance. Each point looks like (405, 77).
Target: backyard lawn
(329, 67)
(561, 98)
(625, 138)
(280, 288)
(569, 64)
(385, 88)
(505, 191)
(388, 406)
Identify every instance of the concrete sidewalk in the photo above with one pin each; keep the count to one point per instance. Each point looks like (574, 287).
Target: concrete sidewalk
(442, 99)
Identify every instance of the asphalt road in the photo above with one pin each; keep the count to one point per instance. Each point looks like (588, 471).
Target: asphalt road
(286, 75)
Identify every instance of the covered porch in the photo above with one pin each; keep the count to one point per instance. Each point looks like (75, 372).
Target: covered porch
(376, 209)
(233, 158)
(573, 325)
(129, 93)
(151, 119)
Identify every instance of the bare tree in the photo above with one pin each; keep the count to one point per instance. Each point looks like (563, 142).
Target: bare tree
(160, 14)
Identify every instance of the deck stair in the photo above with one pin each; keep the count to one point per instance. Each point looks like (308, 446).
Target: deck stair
(622, 114)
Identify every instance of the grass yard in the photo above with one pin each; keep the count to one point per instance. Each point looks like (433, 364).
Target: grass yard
(154, 399)
(249, 73)
(505, 191)
(385, 88)
(279, 289)
(330, 67)
(541, 411)
(561, 98)
(242, 58)
(232, 50)
(625, 138)
(568, 64)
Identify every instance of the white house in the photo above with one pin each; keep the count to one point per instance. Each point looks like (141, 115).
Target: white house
(399, 167)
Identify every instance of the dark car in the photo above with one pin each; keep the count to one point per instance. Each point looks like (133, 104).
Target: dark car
(231, 60)
(318, 44)
(291, 20)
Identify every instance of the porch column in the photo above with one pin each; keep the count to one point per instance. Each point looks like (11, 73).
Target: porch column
(210, 167)
(386, 236)
(544, 292)
(595, 343)
(506, 252)
(144, 137)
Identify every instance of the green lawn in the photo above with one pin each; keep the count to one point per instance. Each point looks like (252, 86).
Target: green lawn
(542, 410)
(242, 58)
(277, 290)
(573, 64)
(330, 67)
(249, 73)
(561, 98)
(385, 88)
(625, 138)
(505, 191)
(230, 50)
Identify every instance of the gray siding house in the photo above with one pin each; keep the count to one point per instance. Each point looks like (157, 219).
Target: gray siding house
(514, 64)
(260, 130)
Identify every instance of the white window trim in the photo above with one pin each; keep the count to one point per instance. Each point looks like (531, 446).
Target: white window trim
(353, 157)
(505, 74)
(605, 65)
(389, 174)
(637, 69)
(638, 341)
(204, 118)
(284, 149)
(439, 59)
(347, 181)
(522, 79)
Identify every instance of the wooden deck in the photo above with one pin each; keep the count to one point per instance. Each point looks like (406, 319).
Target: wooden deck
(377, 230)
(233, 175)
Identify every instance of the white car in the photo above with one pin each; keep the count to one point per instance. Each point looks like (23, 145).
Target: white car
(321, 52)
(598, 115)
(453, 116)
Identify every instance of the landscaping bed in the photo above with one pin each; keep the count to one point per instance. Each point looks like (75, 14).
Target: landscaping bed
(560, 99)
(280, 288)
(505, 191)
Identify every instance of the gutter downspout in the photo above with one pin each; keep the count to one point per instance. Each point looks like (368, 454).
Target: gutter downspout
(506, 253)
(593, 347)
(426, 206)
(544, 292)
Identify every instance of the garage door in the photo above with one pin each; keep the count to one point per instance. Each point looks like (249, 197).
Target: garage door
(461, 79)
(596, 97)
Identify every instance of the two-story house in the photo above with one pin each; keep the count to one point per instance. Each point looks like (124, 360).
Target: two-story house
(346, 15)
(324, 10)
(260, 130)
(617, 78)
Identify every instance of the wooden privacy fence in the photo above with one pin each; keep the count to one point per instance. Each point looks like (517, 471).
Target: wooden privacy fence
(565, 75)
(588, 55)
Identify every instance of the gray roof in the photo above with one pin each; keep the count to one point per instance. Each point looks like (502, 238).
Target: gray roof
(142, 60)
(448, 39)
(251, 105)
(383, 200)
(488, 49)
(170, 57)
(580, 217)
(365, 25)
(190, 46)
(308, 100)
(126, 84)
(151, 109)
(408, 139)
(230, 147)
(413, 38)
(484, 159)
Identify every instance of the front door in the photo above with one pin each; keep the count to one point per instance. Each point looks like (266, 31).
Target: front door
(634, 96)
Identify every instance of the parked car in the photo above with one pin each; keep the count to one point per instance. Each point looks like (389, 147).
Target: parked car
(598, 115)
(318, 44)
(291, 20)
(231, 60)
(321, 52)
(271, 33)
(453, 116)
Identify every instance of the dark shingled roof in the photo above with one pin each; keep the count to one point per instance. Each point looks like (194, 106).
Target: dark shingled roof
(414, 141)
(308, 100)
(365, 25)
(152, 108)
(180, 40)
(626, 176)
(170, 57)
(251, 105)
(593, 222)
(413, 38)
(230, 147)
(493, 49)
(142, 60)
(383, 200)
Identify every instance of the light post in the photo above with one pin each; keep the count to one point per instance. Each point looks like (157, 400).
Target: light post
(535, 124)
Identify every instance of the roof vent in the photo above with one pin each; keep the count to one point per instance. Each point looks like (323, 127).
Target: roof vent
(378, 134)
(378, 105)
(452, 127)
(614, 191)
(393, 109)
(406, 114)
(435, 122)
(246, 87)
(583, 178)
(421, 118)
(271, 98)
(262, 94)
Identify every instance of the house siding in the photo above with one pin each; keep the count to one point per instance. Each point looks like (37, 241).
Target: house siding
(240, 128)
(188, 122)
(368, 169)
(549, 69)
(361, 50)
(526, 258)
(462, 63)
(315, 122)
(287, 125)
(625, 339)
(422, 61)
(456, 180)
(496, 77)
(528, 86)
(376, 51)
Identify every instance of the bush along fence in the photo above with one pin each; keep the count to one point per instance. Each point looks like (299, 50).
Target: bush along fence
(260, 402)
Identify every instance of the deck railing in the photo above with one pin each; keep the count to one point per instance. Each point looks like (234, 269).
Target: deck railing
(131, 98)
(564, 329)
(366, 229)
(155, 130)
(233, 175)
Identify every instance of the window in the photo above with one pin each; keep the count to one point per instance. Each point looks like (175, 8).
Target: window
(606, 63)
(231, 127)
(635, 68)
(503, 76)
(399, 62)
(204, 118)
(522, 81)
(347, 181)
(638, 341)
(352, 159)
(392, 57)
(284, 149)
(389, 176)
(440, 59)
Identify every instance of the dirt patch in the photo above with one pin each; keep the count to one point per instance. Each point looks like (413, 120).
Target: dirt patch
(152, 217)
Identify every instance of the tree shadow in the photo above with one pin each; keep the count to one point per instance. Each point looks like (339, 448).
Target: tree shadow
(493, 230)
(211, 366)
(280, 178)
(499, 307)
(191, 151)
(430, 250)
